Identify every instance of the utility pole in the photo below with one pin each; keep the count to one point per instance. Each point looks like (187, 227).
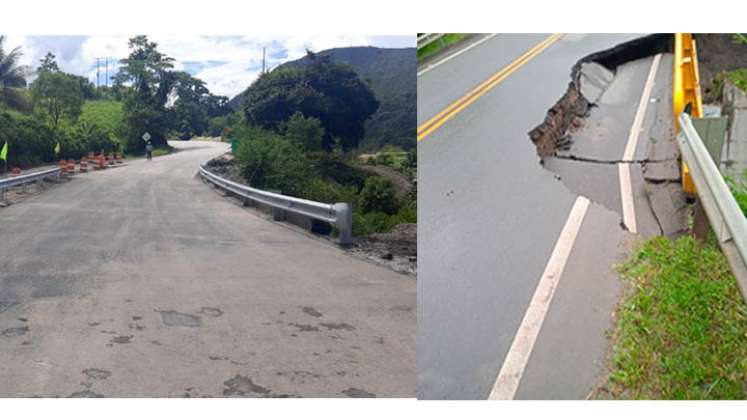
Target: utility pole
(98, 61)
(264, 49)
(107, 73)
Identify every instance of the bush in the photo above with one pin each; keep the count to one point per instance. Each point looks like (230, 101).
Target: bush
(318, 189)
(333, 166)
(368, 223)
(272, 162)
(408, 213)
(91, 137)
(378, 195)
(30, 141)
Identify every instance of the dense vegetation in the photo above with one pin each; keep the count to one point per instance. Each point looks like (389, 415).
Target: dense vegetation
(64, 109)
(330, 92)
(297, 131)
(390, 74)
(290, 160)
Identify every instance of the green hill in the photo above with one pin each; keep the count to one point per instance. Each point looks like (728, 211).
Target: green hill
(391, 73)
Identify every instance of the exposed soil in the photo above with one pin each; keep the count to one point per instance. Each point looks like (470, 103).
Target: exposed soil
(397, 249)
(717, 53)
(553, 132)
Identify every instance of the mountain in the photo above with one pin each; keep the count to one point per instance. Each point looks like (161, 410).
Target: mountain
(391, 73)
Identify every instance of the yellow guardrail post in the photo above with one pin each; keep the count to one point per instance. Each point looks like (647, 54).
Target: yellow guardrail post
(686, 90)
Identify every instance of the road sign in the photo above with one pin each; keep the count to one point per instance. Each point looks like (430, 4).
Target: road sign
(146, 136)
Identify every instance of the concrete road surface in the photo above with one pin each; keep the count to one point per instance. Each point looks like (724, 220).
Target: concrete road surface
(491, 218)
(141, 281)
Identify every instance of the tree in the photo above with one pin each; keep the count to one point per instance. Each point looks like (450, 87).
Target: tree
(48, 64)
(270, 161)
(12, 76)
(307, 132)
(147, 72)
(194, 106)
(58, 96)
(322, 89)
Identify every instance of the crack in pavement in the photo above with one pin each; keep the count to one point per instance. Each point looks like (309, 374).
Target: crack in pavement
(612, 161)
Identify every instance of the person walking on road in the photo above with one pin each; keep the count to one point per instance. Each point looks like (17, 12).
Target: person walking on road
(149, 151)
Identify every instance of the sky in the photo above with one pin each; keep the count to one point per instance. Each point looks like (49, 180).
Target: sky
(228, 64)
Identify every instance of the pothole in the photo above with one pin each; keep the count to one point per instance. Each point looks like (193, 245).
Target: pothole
(179, 319)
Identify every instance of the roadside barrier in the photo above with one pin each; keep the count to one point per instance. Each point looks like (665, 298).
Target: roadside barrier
(725, 217)
(23, 179)
(71, 166)
(686, 91)
(339, 215)
(119, 157)
(84, 164)
(15, 171)
(63, 167)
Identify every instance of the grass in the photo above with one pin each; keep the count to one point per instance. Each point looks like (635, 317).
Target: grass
(739, 190)
(681, 332)
(436, 46)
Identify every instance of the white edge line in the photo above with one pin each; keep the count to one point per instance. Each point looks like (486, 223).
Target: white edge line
(626, 185)
(626, 196)
(508, 379)
(464, 50)
(635, 129)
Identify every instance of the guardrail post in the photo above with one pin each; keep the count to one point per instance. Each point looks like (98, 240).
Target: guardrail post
(700, 222)
(278, 214)
(345, 222)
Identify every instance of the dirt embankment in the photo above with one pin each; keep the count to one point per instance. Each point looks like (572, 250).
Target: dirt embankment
(717, 53)
(397, 249)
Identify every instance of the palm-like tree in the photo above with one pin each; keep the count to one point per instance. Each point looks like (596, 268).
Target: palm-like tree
(12, 75)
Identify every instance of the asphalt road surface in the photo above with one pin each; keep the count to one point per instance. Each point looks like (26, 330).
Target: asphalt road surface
(142, 281)
(494, 224)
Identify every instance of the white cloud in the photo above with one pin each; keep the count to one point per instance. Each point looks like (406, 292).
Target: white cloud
(228, 64)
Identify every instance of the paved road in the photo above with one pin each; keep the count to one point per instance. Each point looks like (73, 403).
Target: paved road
(490, 217)
(143, 281)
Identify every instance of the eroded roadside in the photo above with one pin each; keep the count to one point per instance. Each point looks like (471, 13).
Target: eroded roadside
(583, 137)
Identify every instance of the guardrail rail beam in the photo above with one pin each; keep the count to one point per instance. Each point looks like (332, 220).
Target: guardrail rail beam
(339, 215)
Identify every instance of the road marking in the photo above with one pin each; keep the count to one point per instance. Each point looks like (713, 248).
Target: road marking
(456, 54)
(626, 194)
(439, 119)
(626, 185)
(516, 360)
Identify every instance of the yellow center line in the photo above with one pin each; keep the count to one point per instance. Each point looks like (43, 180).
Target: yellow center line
(439, 119)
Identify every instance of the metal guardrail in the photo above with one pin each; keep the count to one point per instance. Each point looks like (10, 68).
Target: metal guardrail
(339, 215)
(726, 218)
(427, 39)
(14, 181)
